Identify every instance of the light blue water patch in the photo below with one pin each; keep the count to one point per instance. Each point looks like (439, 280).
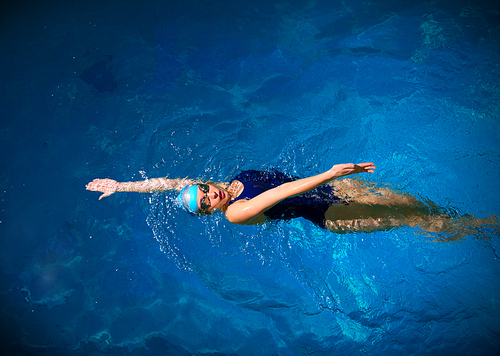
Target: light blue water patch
(134, 91)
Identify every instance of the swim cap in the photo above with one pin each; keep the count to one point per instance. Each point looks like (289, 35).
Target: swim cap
(188, 197)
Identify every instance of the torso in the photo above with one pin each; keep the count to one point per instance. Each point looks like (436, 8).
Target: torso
(311, 205)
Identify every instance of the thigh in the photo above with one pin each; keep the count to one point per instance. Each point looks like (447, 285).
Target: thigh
(362, 192)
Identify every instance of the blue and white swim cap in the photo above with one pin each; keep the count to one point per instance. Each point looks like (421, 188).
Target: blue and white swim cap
(188, 197)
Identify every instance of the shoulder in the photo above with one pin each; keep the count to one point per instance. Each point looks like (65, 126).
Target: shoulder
(233, 211)
(236, 214)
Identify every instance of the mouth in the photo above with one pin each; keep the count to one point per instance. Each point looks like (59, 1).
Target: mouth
(221, 194)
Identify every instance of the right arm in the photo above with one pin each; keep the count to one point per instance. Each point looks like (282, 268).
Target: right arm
(245, 212)
(110, 186)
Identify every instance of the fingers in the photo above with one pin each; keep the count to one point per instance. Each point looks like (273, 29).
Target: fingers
(100, 184)
(104, 195)
(350, 168)
(367, 167)
(364, 165)
(105, 186)
(94, 185)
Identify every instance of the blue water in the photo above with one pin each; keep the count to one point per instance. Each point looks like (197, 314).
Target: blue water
(130, 90)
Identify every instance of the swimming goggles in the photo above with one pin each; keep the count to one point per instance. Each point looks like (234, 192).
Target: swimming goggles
(205, 202)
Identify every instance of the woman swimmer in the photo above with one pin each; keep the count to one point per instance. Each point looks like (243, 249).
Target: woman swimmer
(340, 205)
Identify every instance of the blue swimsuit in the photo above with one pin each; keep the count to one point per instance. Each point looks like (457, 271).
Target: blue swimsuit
(311, 205)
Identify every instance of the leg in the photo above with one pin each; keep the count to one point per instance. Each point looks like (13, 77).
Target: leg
(368, 217)
(375, 208)
(358, 217)
(368, 193)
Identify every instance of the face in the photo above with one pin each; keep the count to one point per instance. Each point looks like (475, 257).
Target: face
(211, 197)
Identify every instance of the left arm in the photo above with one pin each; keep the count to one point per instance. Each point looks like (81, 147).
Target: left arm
(246, 211)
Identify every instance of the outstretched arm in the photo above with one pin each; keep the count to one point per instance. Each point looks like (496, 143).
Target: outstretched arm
(245, 211)
(110, 186)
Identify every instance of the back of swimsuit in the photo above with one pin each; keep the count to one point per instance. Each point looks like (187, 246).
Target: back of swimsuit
(311, 205)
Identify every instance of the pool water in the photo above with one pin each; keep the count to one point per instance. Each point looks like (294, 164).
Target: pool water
(131, 91)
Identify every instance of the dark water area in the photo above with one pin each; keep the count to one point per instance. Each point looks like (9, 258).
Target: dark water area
(134, 90)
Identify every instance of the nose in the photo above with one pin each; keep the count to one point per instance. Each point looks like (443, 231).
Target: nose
(213, 195)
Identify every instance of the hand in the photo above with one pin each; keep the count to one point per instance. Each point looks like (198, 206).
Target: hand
(342, 170)
(107, 186)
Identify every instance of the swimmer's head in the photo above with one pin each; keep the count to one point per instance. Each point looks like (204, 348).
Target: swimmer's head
(202, 198)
